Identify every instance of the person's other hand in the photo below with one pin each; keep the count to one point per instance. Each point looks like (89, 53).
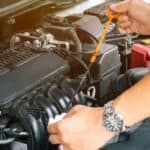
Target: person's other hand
(135, 16)
(81, 129)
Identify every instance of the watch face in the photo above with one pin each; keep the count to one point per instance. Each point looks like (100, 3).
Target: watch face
(113, 122)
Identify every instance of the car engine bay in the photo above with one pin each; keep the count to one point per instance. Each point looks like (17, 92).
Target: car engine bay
(43, 61)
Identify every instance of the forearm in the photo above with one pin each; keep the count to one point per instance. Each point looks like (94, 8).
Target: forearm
(148, 18)
(143, 16)
(86, 123)
(134, 104)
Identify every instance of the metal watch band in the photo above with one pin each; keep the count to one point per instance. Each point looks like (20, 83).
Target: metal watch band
(112, 120)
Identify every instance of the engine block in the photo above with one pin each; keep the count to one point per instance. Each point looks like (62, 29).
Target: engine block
(33, 90)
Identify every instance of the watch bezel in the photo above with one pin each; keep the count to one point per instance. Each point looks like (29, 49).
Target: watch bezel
(112, 121)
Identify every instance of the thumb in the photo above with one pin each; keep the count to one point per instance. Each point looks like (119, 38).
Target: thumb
(121, 7)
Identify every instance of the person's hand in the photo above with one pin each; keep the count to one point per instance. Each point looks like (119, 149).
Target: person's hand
(81, 129)
(135, 16)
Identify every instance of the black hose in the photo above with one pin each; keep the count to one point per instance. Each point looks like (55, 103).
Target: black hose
(33, 126)
(46, 105)
(61, 100)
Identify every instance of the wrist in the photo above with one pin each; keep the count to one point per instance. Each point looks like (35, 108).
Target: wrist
(147, 18)
(121, 106)
(113, 120)
(102, 130)
(125, 104)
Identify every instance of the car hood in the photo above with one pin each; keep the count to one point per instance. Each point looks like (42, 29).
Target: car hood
(11, 6)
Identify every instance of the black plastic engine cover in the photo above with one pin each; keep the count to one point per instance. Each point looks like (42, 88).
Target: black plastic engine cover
(105, 70)
(27, 76)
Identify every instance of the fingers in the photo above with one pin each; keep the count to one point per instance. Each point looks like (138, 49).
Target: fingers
(124, 27)
(55, 139)
(123, 18)
(54, 128)
(121, 7)
(65, 147)
(69, 147)
(57, 132)
(61, 132)
(124, 24)
(123, 31)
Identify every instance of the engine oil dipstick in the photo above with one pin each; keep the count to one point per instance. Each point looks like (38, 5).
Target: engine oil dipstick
(111, 15)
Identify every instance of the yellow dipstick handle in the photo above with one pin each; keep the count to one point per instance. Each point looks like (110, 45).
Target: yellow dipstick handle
(111, 15)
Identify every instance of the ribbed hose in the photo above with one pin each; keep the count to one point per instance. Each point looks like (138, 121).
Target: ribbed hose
(33, 126)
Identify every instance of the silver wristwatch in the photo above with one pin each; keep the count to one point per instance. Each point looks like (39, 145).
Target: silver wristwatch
(112, 121)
